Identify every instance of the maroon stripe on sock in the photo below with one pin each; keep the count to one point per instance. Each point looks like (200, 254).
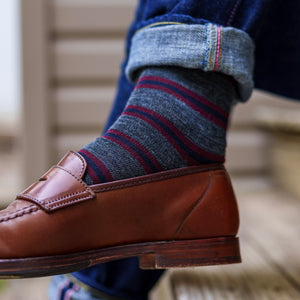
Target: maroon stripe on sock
(92, 174)
(149, 155)
(99, 164)
(133, 153)
(177, 132)
(188, 92)
(187, 158)
(186, 101)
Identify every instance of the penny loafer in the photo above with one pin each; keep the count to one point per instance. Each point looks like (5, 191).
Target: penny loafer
(179, 218)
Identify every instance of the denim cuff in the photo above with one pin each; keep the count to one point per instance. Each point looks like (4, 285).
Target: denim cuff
(208, 47)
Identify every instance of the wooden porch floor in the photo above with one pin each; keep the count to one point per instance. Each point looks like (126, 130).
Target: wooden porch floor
(270, 246)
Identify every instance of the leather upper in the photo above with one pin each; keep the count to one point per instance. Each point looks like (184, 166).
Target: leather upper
(61, 186)
(60, 214)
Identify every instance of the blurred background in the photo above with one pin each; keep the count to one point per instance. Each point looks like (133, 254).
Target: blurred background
(60, 61)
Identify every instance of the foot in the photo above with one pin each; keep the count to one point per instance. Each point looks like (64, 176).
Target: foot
(177, 218)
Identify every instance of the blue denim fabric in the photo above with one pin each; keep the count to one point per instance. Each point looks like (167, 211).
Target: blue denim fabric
(206, 47)
(274, 26)
(66, 287)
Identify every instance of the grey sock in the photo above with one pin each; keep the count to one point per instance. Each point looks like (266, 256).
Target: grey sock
(174, 118)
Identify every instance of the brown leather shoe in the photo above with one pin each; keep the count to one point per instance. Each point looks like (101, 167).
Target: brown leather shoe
(179, 218)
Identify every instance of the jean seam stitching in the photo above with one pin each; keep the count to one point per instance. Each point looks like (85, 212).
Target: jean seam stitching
(205, 59)
(218, 51)
(232, 14)
(159, 24)
(221, 40)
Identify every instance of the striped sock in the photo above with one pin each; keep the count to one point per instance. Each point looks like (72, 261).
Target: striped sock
(174, 118)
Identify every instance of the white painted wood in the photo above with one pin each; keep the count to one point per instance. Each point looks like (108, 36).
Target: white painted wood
(36, 127)
(92, 16)
(261, 106)
(10, 177)
(82, 107)
(163, 289)
(279, 118)
(66, 141)
(247, 151)
(87, 60)
(285, 160)
(25, 289)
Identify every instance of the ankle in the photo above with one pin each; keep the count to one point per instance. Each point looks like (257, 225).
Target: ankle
(174, 118)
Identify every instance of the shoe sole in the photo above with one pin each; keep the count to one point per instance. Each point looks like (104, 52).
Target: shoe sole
(156, 255)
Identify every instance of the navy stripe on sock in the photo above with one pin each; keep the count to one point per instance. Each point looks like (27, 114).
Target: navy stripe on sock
(134, 148)
(188, 97)
(188, 92)
(95, 168)
(192, 157)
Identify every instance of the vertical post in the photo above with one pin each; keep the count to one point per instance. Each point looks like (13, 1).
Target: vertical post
(36, 134)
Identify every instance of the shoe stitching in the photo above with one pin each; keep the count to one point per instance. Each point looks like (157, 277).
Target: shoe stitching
(78, 179)
(62, 168)
(44, 202)
(83, 162)
(61, 198)
(65, 197)
(70, 201)
(15, 216)
(129, 184)
(17, 211)
(33, 208)
(149, 180)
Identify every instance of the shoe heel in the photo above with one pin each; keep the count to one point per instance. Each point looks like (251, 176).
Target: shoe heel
(192, 253)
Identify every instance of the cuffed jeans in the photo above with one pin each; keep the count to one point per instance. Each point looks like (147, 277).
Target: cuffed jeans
(221, 36)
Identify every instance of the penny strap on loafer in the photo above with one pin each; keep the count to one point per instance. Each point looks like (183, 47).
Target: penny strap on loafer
(61, 186)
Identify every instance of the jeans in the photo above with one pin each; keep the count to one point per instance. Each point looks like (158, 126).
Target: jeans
(223, 36)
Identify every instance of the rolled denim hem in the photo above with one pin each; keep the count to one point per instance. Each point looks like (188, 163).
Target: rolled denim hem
(208, 47)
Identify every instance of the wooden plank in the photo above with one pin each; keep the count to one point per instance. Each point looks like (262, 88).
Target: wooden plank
(279, 118)
(82, 107)
(275, 230)
(92, 16)
(259, 108)
(64, 142)
(163, 289)
(255, 279)
(25, 289)
(87, 60)
(36, 125)
(243, 113)
(10, 177)
(270, 252)
(285, 161)
(274, 100)
(247, 151)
